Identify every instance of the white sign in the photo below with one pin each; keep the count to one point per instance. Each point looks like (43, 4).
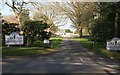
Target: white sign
(13, 39)
(46, 41)
(113, 44)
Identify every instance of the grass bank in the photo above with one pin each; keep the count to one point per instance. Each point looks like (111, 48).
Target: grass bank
(31, 51)
(56, 42)
(98, 48)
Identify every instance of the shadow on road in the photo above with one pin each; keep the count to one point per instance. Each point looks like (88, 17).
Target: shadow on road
(72, 57)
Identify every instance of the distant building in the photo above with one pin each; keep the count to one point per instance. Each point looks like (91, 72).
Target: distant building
(62, 33)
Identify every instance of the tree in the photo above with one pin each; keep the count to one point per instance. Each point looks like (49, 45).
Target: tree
(106, 26)
(18, 9)
(68, 31)
(79, 13)
(117, 19)
(8, 28)
(34, 30)
(48, 13)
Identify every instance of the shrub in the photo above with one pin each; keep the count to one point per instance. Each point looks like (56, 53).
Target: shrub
(102, 30)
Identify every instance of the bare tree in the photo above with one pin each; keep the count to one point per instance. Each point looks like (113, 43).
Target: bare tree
(79, 13)
(17, 7)
(50, 15)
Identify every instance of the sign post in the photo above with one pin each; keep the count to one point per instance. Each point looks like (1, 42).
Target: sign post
(14, 39)
(113, 45)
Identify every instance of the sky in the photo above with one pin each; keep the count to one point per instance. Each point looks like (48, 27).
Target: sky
(7, 11)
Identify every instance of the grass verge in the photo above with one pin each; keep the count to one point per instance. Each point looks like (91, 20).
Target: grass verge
(98, 48)
(30, 51)
(56, 42)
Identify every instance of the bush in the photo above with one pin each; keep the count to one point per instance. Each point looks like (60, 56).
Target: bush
(102, 30)
(34, 30)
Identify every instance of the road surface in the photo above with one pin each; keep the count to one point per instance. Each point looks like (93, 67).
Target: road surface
(72, 57)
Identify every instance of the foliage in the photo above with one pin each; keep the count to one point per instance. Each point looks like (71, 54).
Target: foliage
(103, 27)
(8, 28)
(49, 14)
(102, 31)
(34, 30)
(39, 16)
(79, 13)
(68, 31)
(24, 16)
(18, 7)
(118, 19)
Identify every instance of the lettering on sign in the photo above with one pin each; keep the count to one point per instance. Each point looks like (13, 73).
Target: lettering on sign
(113, 44)
(13, 39)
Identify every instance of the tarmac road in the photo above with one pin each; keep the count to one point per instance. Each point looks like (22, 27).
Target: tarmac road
(72, 57)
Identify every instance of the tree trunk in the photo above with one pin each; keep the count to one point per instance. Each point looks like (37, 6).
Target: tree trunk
(118, 24)
(18, 19)
(81, 34)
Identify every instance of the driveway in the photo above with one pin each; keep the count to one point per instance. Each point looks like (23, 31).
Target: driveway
(72, 57)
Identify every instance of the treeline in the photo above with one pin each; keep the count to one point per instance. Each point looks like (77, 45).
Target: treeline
(107, 25)
(101, 20)
(32, 31)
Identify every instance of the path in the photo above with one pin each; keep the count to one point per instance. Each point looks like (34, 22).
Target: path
(71, 58)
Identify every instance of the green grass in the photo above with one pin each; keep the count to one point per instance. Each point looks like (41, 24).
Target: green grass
(56, 42)
(31, 51)
(98, 48)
